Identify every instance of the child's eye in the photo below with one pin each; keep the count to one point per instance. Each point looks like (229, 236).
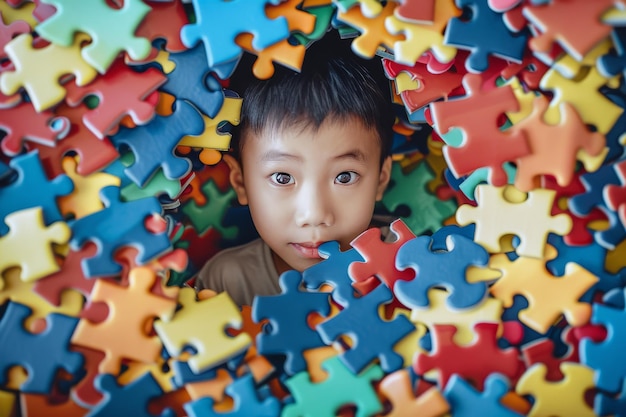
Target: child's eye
(281, 178)
(347, 177)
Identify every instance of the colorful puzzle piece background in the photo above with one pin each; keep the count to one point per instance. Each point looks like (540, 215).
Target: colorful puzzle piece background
(509, 162)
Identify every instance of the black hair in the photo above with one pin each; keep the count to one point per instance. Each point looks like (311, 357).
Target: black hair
(328, 86)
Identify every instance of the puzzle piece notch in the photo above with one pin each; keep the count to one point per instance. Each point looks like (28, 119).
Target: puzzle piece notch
(528, 219)
(288, 332)
(446, 268)
(96, 20)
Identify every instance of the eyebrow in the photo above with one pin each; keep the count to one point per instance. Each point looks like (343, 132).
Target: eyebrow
(355, 154)
(277, 155)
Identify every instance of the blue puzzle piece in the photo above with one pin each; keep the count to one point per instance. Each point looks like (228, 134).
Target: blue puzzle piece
(42, 354)
(246, 402)
(184, 375)
(614, 63)
(333, 270)
(484, 34)
(614, 234)
(118, 224)
(127, 400)
(616, 149)
(372, 336)
(218, 23)
(288, 333)
(446, 268)
(192, 80)
(32, 189)
(591, 257)
(438, 239)
(594, 183)
(606, 405)
(465, 401)
(153, 144)
(609, 372)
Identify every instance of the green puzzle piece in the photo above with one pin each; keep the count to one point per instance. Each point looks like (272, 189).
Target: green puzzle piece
(111, 30)
(427, 211)
(212, 213)
(342, 387)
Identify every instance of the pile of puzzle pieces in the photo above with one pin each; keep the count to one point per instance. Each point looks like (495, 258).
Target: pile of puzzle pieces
(502, 294)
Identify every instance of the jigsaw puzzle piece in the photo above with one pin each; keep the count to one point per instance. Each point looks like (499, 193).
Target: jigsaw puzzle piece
(484, 34)
(465, 400)
(96, 19)
(341, 387)
(214, 137)
(423, 38)
(548, 395)
(124, 318)
(548, 296)
(528, 218)
(246, 402)
(40, 354)
(119, 224)
(120, 92)
(94, 153)
(478, 115)
(380, 256)
(288, 332)
(28, 244)
(333, 270)
(372, 31)
(372, 336)
(219, 22)
(192, 65)
(153, 144)
(211, 214)
(446, 268)
(609, 374)
(398, 389)
(552, 28)
(163, 23)
(22, 123)
(427, 211)
(42, 83)
(132, 398)
(473, 362)
(213, 345)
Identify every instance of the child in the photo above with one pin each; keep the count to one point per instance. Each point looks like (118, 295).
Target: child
(312, 158)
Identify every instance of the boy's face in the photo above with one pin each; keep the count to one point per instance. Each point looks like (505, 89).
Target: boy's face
(306, 187)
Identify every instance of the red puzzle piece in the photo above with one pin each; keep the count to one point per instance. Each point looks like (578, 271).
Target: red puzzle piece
(615, 195)
(120, 91)
(8, 32)
(473, 362)
(94, 153)
(478, 114)
(380, 256)
(417, 11)
(23, 123)
(164, 21)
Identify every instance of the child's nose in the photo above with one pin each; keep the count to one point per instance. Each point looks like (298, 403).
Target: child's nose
(314, 209)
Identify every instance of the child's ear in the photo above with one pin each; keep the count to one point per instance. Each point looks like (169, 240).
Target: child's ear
(236, 179)
(383, 179)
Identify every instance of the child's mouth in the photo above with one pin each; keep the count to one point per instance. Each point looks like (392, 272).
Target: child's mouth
(307, 249)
